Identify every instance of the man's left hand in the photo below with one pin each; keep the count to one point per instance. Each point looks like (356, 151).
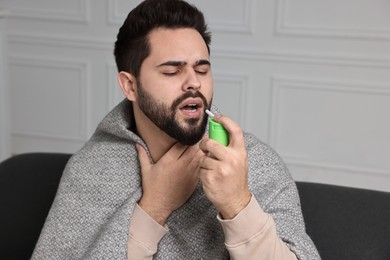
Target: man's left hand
(224, 174)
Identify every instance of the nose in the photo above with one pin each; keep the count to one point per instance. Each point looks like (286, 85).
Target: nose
(192, 81)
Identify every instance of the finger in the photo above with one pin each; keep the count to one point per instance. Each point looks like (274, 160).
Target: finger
(236, 136)
(207, 163)
(175, 152)
(143, 157)
(210, 146)
(202, 145)
(190, 159)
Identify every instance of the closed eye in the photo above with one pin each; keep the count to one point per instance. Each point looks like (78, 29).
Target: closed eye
(202, 72)
(171, 73)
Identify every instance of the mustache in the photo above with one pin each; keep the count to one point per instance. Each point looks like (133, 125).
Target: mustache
(189, 94)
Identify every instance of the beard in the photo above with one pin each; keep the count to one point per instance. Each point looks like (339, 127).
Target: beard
(163, 116)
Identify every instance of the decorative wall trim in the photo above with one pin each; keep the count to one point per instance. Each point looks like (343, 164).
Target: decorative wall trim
(5, 134)
(113, 88)
(349, 169)
(115, 18)
(283, 27)
(329, 85)
(242, 82)
(356, 178)
(112, 13)
(303, 57)
(61, 41)
(279, 83)
(243, 26)
(79, 15)
(267, 55)
(84, 91)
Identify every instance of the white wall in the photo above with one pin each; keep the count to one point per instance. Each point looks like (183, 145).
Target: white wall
(5, 149)
(311, 78)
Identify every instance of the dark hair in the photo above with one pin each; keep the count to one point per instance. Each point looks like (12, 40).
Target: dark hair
(132, 45)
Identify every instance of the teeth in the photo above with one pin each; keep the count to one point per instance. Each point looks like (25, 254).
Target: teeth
(190, 108)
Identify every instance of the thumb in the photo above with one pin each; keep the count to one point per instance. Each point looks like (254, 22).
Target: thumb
(143, 157)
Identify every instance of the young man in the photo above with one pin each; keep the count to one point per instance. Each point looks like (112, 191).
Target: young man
(150, 185)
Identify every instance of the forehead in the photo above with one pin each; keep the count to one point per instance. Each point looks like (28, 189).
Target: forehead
(182, 44)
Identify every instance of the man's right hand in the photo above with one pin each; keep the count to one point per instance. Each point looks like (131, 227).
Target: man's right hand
(169, 183)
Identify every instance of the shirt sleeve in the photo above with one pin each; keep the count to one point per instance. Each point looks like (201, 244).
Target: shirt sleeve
(252, 235)
(144, 235)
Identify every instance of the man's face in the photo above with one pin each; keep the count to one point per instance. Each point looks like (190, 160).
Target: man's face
(175, 83)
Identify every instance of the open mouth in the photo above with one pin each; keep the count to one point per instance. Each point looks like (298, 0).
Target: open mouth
(191, 107)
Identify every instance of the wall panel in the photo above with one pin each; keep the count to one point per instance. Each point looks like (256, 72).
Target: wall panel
(230, 96)
(69, 11)
(48, 98)
(365, 19)
(332, 123)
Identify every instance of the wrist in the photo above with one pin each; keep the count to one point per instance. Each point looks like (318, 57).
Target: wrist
(234, 209)
(157, 213)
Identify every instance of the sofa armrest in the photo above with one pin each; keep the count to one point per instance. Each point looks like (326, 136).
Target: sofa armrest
(28, 184)
(347, 223)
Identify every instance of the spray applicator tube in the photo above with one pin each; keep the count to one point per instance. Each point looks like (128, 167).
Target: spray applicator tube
(216, 130)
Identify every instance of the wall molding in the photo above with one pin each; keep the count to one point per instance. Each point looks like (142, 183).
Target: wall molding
(356, 178)
(113, 15)
(240, 54)
(5, 133)
(284, 28)
(279, 82)
(349, 169)
(60, 41)
(315, 58)
(244, 26)
(242, 81)
(329, 85)
(84, 91)
(79, 15)
(114, 93)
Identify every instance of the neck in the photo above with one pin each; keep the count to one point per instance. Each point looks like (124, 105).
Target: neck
(157, 141)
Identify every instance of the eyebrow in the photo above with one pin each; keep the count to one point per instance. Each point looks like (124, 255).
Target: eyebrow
(202, 62)
(182, 63)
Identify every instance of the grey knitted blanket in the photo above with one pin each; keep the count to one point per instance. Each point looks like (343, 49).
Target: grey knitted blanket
(90, 215)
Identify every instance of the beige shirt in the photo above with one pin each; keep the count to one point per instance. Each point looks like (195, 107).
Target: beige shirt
(249, 235)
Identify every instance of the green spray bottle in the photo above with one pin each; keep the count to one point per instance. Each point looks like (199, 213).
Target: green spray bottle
(216, 130)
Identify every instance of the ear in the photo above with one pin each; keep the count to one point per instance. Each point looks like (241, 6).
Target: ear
(128, 85)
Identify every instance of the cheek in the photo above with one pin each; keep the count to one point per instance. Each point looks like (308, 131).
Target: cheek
(163, 94)
(207, 90)
(156, 87)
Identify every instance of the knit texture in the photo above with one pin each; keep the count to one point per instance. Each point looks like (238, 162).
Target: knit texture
(101, 184)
